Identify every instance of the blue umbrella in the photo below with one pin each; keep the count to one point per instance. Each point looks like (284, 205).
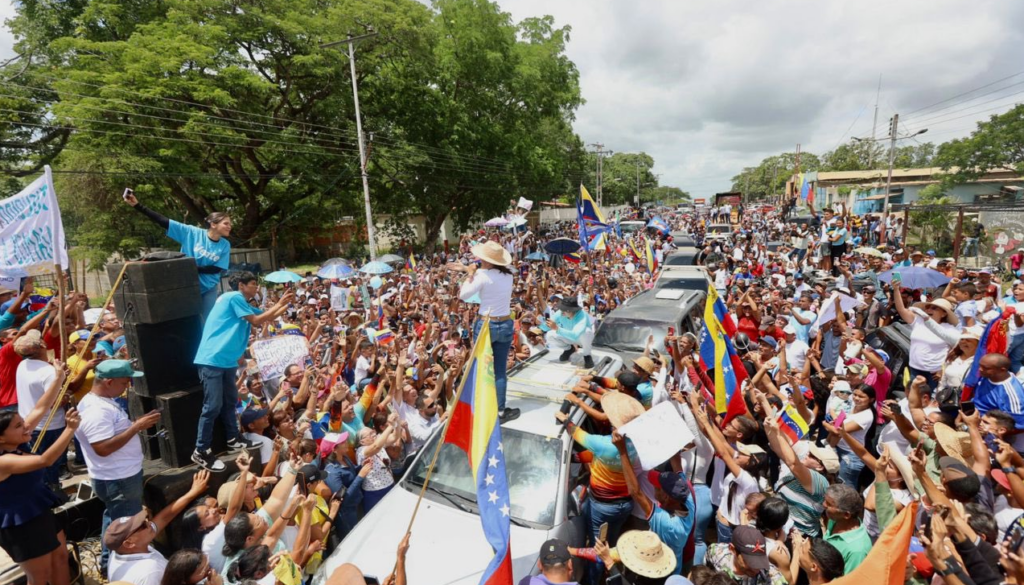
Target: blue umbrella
(538, 257)
(282, 276)
(916, 277)
(376, 267)
(335, 271)
(562, 246)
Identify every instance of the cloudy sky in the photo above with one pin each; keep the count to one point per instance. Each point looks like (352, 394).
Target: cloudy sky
(710, 86)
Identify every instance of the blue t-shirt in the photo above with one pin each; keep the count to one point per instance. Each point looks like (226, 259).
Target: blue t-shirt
(226, 333)
(196, 244)
(674, 530)
(841, 240)
(803, 332)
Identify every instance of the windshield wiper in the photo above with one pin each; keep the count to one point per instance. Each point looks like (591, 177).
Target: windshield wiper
(454, 498)
(519, 522)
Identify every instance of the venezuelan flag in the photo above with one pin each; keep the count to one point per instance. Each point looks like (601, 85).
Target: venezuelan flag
(589, 209)
(717, 352)
(575, 257)
(634, 251)
(475, 430)
(792, 424)
(410, 263)
(993, 340)
(652, 261)
(383, 336)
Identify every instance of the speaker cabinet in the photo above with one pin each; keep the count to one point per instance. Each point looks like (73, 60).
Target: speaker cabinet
(180, 420)
(157, 291)
(165, 352)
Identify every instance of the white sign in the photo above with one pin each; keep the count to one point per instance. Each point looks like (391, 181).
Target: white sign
(339, 298)
(277, 353)
(31, 233)
(658, 434)
(525, 203)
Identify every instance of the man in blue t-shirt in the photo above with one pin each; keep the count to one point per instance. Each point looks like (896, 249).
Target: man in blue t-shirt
(225, 338)
(672, 516)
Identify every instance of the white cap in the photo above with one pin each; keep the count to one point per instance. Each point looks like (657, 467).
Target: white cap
(789, 330)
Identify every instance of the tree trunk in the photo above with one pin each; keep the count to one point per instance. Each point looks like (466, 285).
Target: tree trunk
(432, 224)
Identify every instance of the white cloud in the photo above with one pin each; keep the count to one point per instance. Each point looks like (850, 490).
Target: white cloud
(710, 86)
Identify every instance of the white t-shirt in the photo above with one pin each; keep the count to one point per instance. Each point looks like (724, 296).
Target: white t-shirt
(213, 545)
(102, 419)
(731, 507)
(796, 354)
(140, 569)
(862, 418)
(927, 350)
(266, 445)
(33, 378)
(362, 369)
(420, 430)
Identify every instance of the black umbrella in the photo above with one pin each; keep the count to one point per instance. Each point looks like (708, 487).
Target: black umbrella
(562, 246)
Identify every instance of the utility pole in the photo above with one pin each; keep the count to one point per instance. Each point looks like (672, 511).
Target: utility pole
(636, 203)
(599, 177)
(871, 151)
(351, 41)
(888, 179)
(775, 175)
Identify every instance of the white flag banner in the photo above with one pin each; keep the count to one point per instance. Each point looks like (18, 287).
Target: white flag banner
(31, 232)
(525, 203)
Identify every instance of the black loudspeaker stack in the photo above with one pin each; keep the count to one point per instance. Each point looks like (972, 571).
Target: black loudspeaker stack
(159, 304)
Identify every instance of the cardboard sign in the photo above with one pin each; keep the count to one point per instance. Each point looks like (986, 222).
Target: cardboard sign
(658, 434)
(277, 353)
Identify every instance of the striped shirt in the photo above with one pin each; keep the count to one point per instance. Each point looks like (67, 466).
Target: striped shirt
(606, 479)
(805, 507)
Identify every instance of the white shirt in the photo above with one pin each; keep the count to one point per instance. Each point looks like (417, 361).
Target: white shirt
(362, 369)
(380, 475)
(796, 354)
(102, 419)
(862, 418)
(213, 545)
(420, 429)
(33, 378)
(928, 351)
(495, 290)
(140, 569)
(266, 445)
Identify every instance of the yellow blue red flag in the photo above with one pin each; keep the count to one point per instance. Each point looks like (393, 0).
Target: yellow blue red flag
(474, 429)
(717, 353)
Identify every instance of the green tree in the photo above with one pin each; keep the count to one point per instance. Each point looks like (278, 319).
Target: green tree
(997, 143)
(769, 177)
(620, 172)
(933, 227)
(668, 195)
(854, 156)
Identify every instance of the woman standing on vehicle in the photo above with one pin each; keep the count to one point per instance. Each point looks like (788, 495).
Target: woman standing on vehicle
(209, 247)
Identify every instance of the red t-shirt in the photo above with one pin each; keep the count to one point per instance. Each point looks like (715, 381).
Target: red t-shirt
(751, 327)
(9, 361)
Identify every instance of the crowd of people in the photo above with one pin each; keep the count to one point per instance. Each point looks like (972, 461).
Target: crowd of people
(835, 435)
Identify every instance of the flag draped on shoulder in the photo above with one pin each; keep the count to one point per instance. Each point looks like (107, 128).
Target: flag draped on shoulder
(995, 339)
(718, 353)
(886, 564)
(475, 430)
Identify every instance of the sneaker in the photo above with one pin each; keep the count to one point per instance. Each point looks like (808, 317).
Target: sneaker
(508, 414)
(65, 474)
(566, 354)
(240, 444)
(588, 362)
(207, 460)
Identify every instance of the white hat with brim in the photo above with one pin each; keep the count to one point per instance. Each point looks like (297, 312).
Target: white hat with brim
(943, 304)
(903, 465)
(492, 252)
(828, 457)
(642, 552)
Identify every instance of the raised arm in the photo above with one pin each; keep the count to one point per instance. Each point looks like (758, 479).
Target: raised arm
(632, 484)
(199, 483)
(905, 313)
(784, 450)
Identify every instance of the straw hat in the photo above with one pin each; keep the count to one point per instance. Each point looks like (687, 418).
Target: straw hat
(971, 333)
(828, 457)
(956, 444)
(644, 363)
(643, 553)
(492, 252)
(620, 407)
(943, 304)
(903, 465)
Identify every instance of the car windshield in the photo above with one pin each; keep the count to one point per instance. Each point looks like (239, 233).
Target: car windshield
(719, 229)
(630, 334)
(532, 464)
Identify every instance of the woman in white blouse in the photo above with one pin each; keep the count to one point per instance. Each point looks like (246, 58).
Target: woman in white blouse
(491, 283)
(933, 333)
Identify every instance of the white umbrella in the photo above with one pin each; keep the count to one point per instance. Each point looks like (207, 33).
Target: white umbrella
(496, 222)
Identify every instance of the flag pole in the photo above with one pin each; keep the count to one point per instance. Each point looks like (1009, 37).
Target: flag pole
(447, 423)
(67, 381)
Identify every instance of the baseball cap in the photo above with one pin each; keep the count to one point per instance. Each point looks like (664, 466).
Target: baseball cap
(769, 341)
(251, 415)
(29, 342)
(789, 330)
(312, 473)
(750, 544)
(109, 369)
(842, 386)
(554, 552)
(120, 529)
(799, 276)
(671, 483)
(119, 343)
(882, 354)
(80, 335)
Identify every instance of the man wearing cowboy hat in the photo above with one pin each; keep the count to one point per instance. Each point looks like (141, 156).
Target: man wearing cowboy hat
(569, 327)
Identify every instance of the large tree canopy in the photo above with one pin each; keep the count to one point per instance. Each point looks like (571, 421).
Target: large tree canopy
(996, 144)
(207, 105)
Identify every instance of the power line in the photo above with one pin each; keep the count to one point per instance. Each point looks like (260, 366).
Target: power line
(930, 117)
(965, 93)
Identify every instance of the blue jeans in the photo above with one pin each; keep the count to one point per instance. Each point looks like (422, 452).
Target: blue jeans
(501, 342)
(597, 513)
(51, 474)
(849, 467)
(122, 497)
(208, 299)
(701, 521)
(1015, 351)
(219, 397)
(724, 531)
(929, 376)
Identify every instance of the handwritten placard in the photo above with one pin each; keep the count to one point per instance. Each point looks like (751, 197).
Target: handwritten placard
(31, 232)
(658, 434)
(277, 353)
